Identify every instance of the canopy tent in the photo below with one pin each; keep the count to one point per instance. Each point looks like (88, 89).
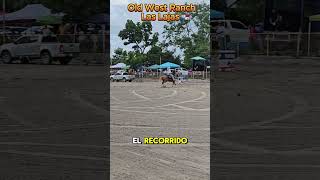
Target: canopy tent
(169, 65)
(198, 58)
(154, 67)
(30, 12)
(314, 18)
(214, 14)
(119, 66)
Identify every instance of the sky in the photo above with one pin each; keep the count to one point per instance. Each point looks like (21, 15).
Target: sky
(119, 16)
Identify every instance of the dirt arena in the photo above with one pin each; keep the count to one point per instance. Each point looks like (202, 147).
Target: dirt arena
(265, 123)
(266, 120)
(145, 109)
(53, 122)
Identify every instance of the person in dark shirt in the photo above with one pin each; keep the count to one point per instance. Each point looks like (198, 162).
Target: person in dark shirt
(273, 19)
(279, 22)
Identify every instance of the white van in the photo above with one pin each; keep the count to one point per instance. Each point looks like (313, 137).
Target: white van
(235, 30)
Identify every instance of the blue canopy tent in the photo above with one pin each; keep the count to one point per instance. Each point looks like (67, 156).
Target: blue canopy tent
(216, 14)
(169, 65)
(154, 67)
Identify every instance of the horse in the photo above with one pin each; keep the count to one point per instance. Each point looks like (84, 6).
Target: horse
(165, 79)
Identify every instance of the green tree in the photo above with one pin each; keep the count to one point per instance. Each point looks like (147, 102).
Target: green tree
(248, 11)
(120, 55)
(135, 59)
(219, 5)
(168, 56)
(192, 37)
(140, 35)
(160, 52)
(154, 55)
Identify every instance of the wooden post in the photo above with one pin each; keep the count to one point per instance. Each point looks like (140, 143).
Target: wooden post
(268, 45)
(309, 38)
(4, 21)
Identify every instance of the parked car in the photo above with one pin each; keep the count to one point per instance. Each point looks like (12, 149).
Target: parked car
(33, 30)
(122, 76)
(183, 71)
(46, 48)
(16, 30)
(235, 30)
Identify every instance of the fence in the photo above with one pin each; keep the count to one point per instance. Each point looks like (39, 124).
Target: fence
(93, 47)
(270, 44)
(191, 75)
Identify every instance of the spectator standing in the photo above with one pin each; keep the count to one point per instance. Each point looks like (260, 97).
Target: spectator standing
(273, 19)
(46, 31)
(279, 22)
(220, 33)
(259, 30)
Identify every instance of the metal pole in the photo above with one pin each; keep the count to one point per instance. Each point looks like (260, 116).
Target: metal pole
(104, 42)
(301, 26)
(268, 44)
(4, 20)
(309, 31)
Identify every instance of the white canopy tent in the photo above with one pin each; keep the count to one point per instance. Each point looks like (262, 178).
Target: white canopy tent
(119, 66)
(30, 12)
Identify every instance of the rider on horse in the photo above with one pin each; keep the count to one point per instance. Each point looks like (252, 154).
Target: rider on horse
(171, 74)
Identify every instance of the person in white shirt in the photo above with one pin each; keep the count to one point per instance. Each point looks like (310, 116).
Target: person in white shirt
(46, 31)
(220, 33)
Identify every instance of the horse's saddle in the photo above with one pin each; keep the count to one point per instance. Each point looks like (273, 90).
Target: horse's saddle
(169, 77)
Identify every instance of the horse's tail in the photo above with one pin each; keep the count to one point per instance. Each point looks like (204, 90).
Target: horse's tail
(160, 79)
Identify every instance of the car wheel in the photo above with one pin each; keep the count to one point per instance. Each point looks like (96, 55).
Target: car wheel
(6, 57)
(46, 58)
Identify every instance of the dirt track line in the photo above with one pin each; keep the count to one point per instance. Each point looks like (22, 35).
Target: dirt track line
(144, 100)
(301, 106)
(53, 155)
(140, 96)
(181, 108)
(268, 165)
(158, 127)
(247, 149)
(188, 101)
(46, 129)
(54, 145)
(148, 112)
(162, 145)
(98, 110)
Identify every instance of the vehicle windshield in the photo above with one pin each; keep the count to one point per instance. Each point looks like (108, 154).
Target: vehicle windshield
(125, 73)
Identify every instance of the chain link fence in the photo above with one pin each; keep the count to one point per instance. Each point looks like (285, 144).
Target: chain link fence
(270, 44)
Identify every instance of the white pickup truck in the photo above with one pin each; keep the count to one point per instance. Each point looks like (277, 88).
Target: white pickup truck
(45, 48)
(235, 30)
(122, 76)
